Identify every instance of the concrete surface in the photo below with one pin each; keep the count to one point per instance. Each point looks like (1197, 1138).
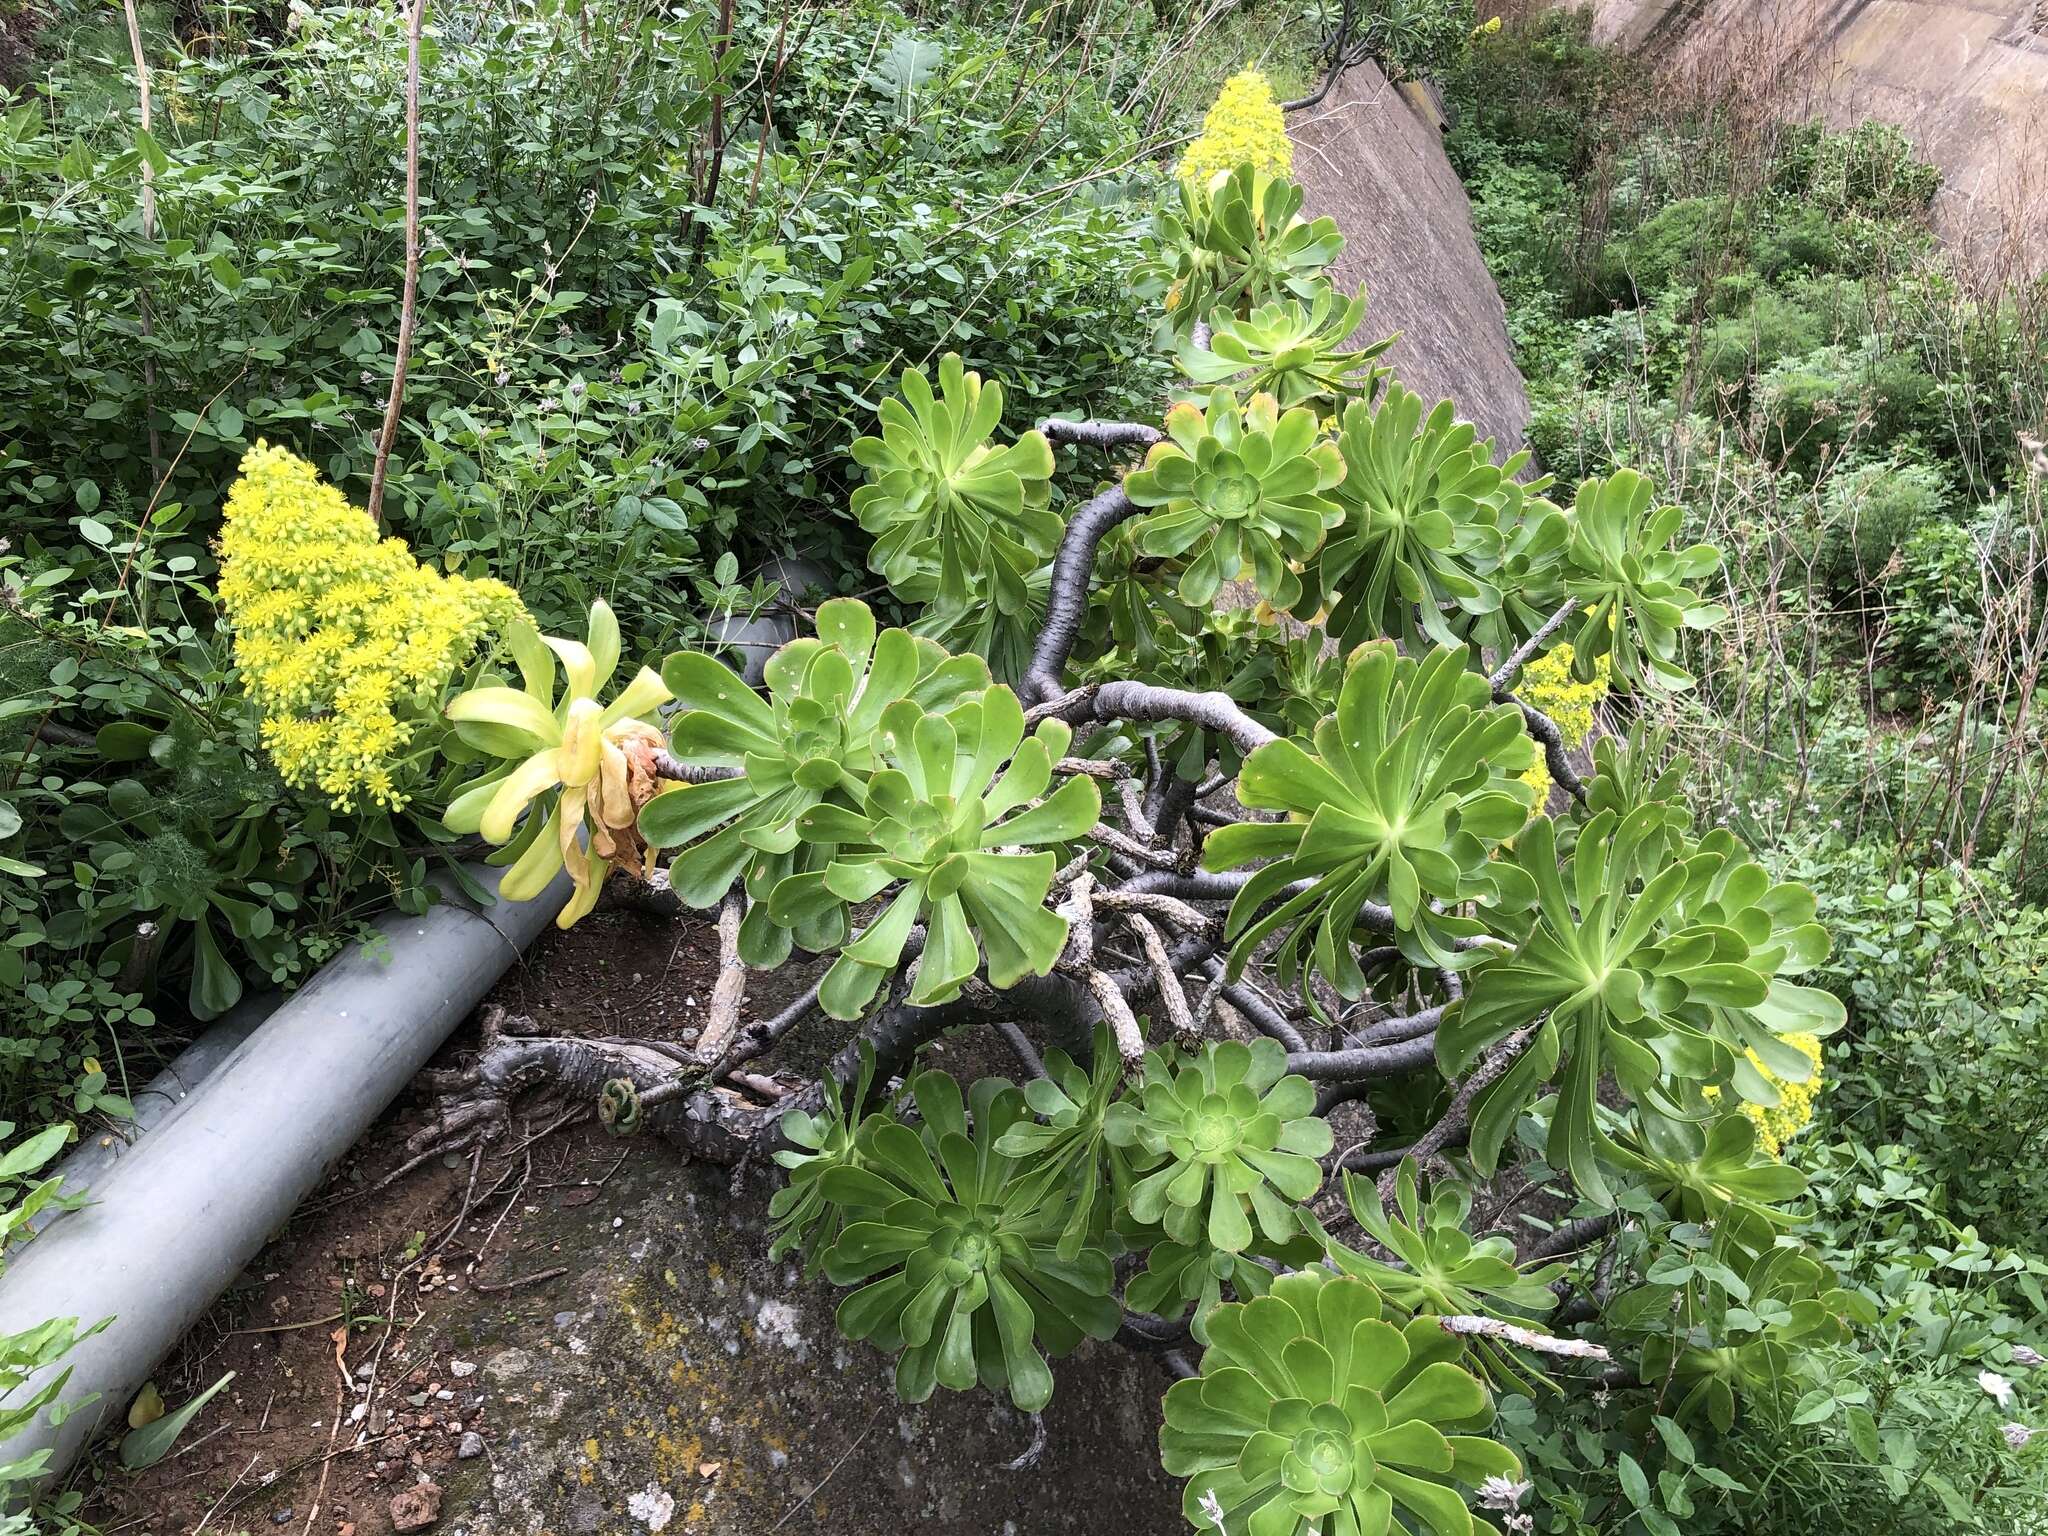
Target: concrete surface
(1967, 82)
(1371, 156)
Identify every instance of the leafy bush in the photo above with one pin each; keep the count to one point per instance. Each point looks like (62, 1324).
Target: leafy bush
(1872, 512)
(30, 1509)
(615, 392)
(1943, 974)
(1871, 170)
(1418, 39)
(1934, 601)
(1680, 242)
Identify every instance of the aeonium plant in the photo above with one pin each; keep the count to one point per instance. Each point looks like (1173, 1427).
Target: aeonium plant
(1419, 540)
(1235, 1137)
(1433, 1266)
(1236, 485)
(954, 1247)
(811, 742)
(947, 820)
(1298, 353)
(1635, 591)
(1235, 242)
(1653, 962)
(1413, 783)
(1312, 1413)
(591, 764)
(948, 507)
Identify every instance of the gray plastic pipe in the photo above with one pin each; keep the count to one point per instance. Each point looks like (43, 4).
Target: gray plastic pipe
(188, 1206)
(86, 1166)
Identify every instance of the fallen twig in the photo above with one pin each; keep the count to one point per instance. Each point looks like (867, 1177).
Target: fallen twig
(492, 1287)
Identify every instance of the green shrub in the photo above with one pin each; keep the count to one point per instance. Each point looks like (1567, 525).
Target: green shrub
(26, 1507)
(1815, 407)
(613, 393)
(1871, 170)
(1944, 974)
(1536, 91)
(1683, 240)
(1871, 512)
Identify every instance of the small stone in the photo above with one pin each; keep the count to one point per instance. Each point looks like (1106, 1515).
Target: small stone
(472, 1446)
(281, 1516)
(444, 1395)
(508, 1365)
(461, 1368)
(416, 1508)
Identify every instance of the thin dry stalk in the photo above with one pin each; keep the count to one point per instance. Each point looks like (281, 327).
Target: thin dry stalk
(409, 305)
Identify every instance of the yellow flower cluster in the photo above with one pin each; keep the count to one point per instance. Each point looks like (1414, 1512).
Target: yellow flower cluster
(344, 641)
(1547, 684)
(1244, 127)
(1794, 1110)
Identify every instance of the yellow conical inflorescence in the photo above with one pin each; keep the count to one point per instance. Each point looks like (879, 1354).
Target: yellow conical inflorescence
(344, 640)
(1244, 127)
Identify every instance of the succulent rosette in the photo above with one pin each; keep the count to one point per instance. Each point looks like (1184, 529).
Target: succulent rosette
(1234, 486)
(590, 764)
(1236, 1137)
(1313, 1415)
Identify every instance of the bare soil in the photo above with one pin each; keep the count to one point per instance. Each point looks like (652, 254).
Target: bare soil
(603, 1318)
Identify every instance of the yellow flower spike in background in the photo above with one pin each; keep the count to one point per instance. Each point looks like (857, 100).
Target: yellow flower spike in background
(597, 759)
(344, 641)
(1779, 1123)
(1547, 684)
(1244, 127)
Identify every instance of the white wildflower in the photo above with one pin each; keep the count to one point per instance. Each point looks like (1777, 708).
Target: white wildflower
(1501, 1493)
(1998, 1388)
(1212, 1508)
(2022, 1355)
(2016, 1435)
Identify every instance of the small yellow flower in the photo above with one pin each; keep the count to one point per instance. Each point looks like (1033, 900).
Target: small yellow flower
(344, 641)
(1244, 127)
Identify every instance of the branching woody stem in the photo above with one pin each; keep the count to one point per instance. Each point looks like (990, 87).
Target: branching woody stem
(1066, 602)
(1556, 756)
(1101, 434)
(1503, 679)
(722, 1018)
(1466, 1327)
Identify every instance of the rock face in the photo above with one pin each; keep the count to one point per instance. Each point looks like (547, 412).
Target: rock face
(676, 1380)
(1967, 80)
(1371, 156)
